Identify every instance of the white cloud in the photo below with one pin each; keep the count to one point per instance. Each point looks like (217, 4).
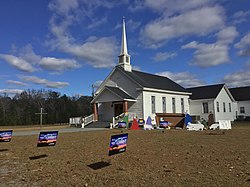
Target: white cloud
(227, 35)
(27, 54)
(132, 25)
(10, 91)
(97, 84)
(191, 23)
(100, 53)
(63, 6)
(28, 61)
(18, 83)
(244, 45)
(169, 7)
(207, 55)
(185, 79)
(18, 63)
(137, 6)
(97, 22)
(213, 54)
(163, 56)
(137, 68)
(44, 82)
(97, 52)
(241, 16)
(176, 6)
(248, 64)
(58, 65)
(237, 79)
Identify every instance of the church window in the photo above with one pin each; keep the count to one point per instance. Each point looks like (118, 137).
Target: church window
(182, 105)
(218, 106)
(173, 105)
(164, 105)
(153, 104)
(205, 107)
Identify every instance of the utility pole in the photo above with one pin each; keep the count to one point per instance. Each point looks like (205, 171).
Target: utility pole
(41, 117)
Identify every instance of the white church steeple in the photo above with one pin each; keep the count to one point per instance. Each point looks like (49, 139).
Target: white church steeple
(124, 57)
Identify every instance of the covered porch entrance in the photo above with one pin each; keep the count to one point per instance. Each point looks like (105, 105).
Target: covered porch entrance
(111, 102)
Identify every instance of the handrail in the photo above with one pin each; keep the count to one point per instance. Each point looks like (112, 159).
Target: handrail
(83, 121)
(88, 119)
(116, 119)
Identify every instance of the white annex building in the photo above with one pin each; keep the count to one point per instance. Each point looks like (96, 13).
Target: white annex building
(137, 93)
(212, 99)
(242, 97)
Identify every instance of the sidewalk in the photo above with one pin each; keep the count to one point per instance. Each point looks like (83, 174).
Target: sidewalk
(61, 130)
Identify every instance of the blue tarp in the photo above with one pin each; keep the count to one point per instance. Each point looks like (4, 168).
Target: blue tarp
(188, 118)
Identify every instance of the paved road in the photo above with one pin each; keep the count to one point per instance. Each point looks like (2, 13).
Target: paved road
(63, 130)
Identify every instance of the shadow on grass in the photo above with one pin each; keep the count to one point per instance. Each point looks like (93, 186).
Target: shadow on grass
(99, 165)
(2, 150)
(38, 157)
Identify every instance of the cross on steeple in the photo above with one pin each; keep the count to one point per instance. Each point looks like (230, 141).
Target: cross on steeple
(124, 57)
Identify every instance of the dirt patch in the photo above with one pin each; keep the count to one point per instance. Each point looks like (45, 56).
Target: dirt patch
(153, 158)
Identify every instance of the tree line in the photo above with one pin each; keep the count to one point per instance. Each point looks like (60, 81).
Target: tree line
(21, 109)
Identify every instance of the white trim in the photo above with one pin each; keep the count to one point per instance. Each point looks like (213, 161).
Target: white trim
(201, 100)
(132, 100)
(102, 85)
(163, 91)
(229, 93)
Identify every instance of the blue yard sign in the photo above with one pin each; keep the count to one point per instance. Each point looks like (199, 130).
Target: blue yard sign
(47, 138)
(5, 136)
(118, 144)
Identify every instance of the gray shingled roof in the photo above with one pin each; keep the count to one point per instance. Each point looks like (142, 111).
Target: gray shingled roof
(120, 93)
(205, 92)
(241, 93)
(154, 81)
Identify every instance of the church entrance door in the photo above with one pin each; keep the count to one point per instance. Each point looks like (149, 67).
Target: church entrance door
(118, 109)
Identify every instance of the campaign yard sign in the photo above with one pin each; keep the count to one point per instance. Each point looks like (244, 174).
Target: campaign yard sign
(47, 138)
(118, 144)
(5, 136)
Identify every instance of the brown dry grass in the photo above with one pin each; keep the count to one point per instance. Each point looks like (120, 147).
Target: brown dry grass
(153, 158)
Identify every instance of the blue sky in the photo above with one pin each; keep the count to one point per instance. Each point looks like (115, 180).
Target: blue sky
(68, 45)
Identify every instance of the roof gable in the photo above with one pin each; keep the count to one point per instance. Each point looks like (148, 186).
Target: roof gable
(241, 93)
(120, 93)
(112, 94)
(205, 92)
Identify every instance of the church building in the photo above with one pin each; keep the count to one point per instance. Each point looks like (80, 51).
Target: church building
(137, 93)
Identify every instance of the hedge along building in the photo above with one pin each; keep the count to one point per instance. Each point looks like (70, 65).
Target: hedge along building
(137, 93)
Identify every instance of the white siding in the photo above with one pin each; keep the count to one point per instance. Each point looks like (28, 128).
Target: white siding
(235, 110)
(147, 108)
(246, 105)
(196, 108)
(135, 108)
(223, 97)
